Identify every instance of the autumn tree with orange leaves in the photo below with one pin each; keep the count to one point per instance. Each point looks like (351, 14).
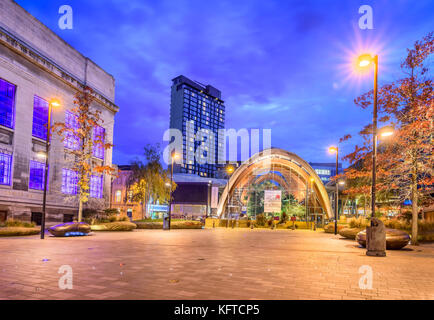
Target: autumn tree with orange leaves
(83, 141)
(405, 160)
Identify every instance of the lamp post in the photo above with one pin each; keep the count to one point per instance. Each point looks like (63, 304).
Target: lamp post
(229, 170)
(365, 60)
(52, 104)
(336, 150)
(173, 157)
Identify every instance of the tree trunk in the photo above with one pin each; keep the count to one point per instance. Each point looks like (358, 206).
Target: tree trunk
(414, 211)
(80, 210)
(143, 210)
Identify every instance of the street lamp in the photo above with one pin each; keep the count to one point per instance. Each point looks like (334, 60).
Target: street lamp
(229, 170)
(365, 61)
(336, 150)
(174, 156)
(53, 103)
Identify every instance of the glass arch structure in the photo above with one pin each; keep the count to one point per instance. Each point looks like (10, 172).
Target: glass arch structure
(280, 169)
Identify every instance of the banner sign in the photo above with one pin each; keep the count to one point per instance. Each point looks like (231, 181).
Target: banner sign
(272, 201)
(214, 197)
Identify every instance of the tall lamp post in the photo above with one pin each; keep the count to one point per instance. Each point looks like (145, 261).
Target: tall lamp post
(174, 156)
(229, 170)
(336, 150)
(52, 104)
(365, 60)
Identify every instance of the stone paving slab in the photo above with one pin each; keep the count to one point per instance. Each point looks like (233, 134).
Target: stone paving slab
(210, 264)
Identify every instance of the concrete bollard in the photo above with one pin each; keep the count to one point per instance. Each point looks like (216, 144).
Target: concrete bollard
(376, 239)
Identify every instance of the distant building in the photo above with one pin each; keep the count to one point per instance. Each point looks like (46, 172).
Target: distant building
(202, 107)
(326, 170)
(36, 66)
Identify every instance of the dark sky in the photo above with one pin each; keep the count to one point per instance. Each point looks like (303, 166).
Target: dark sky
(284, 65)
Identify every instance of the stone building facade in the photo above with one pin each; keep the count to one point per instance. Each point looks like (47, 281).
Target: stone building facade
(121, 198)
(37, 66)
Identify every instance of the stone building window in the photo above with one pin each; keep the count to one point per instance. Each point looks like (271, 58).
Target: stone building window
(37, 175)
(7, 100)
(71, 141)
(40, 118)
(5, 168)
(96, 186)
(118, 196)
(69, 181)
(98, 138)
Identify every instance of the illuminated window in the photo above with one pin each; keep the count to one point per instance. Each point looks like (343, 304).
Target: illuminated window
(71, 141)
(5, 168)
(118, 196)
(96, 186)
(7, 99)
(40, 118)
(98, 137)
(323, 171)
(69, 181)
(37, 175)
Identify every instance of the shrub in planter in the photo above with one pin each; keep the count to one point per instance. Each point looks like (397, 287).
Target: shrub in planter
(330, 228)
(359, 222)
(349, 233)
(261, 220)
(18, 223)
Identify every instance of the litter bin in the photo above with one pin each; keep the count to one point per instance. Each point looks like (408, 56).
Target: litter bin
(376, 239)
(166, 222)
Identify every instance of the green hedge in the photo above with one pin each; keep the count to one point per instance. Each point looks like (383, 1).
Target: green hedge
(114, 226)
(18, 231)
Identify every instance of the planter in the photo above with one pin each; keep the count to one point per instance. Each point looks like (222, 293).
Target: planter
(70, 229)
(395, 239)
(18, 231)
(114, 226)
(349, 233)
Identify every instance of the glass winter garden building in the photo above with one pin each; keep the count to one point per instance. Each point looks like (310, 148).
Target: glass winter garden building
(194, 107)
(29, 79)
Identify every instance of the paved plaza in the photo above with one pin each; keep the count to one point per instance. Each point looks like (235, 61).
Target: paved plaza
(210, 264)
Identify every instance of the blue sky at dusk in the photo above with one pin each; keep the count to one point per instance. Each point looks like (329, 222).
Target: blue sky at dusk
(283, 65)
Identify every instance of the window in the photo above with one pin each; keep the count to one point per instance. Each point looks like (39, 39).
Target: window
(37, 175)
(323, 171)
(7, 98)
(40, 118)
(5, 168)
(96, 186)
(118, 196)
(69, 181)
(71, 141)
(98, 138)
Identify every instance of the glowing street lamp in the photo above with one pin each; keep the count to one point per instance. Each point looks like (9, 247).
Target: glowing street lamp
(229, 170)
(386, 131)
(336, 150)
(55, 104)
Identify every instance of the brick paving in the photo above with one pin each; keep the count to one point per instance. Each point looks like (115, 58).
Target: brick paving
(210, 264)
